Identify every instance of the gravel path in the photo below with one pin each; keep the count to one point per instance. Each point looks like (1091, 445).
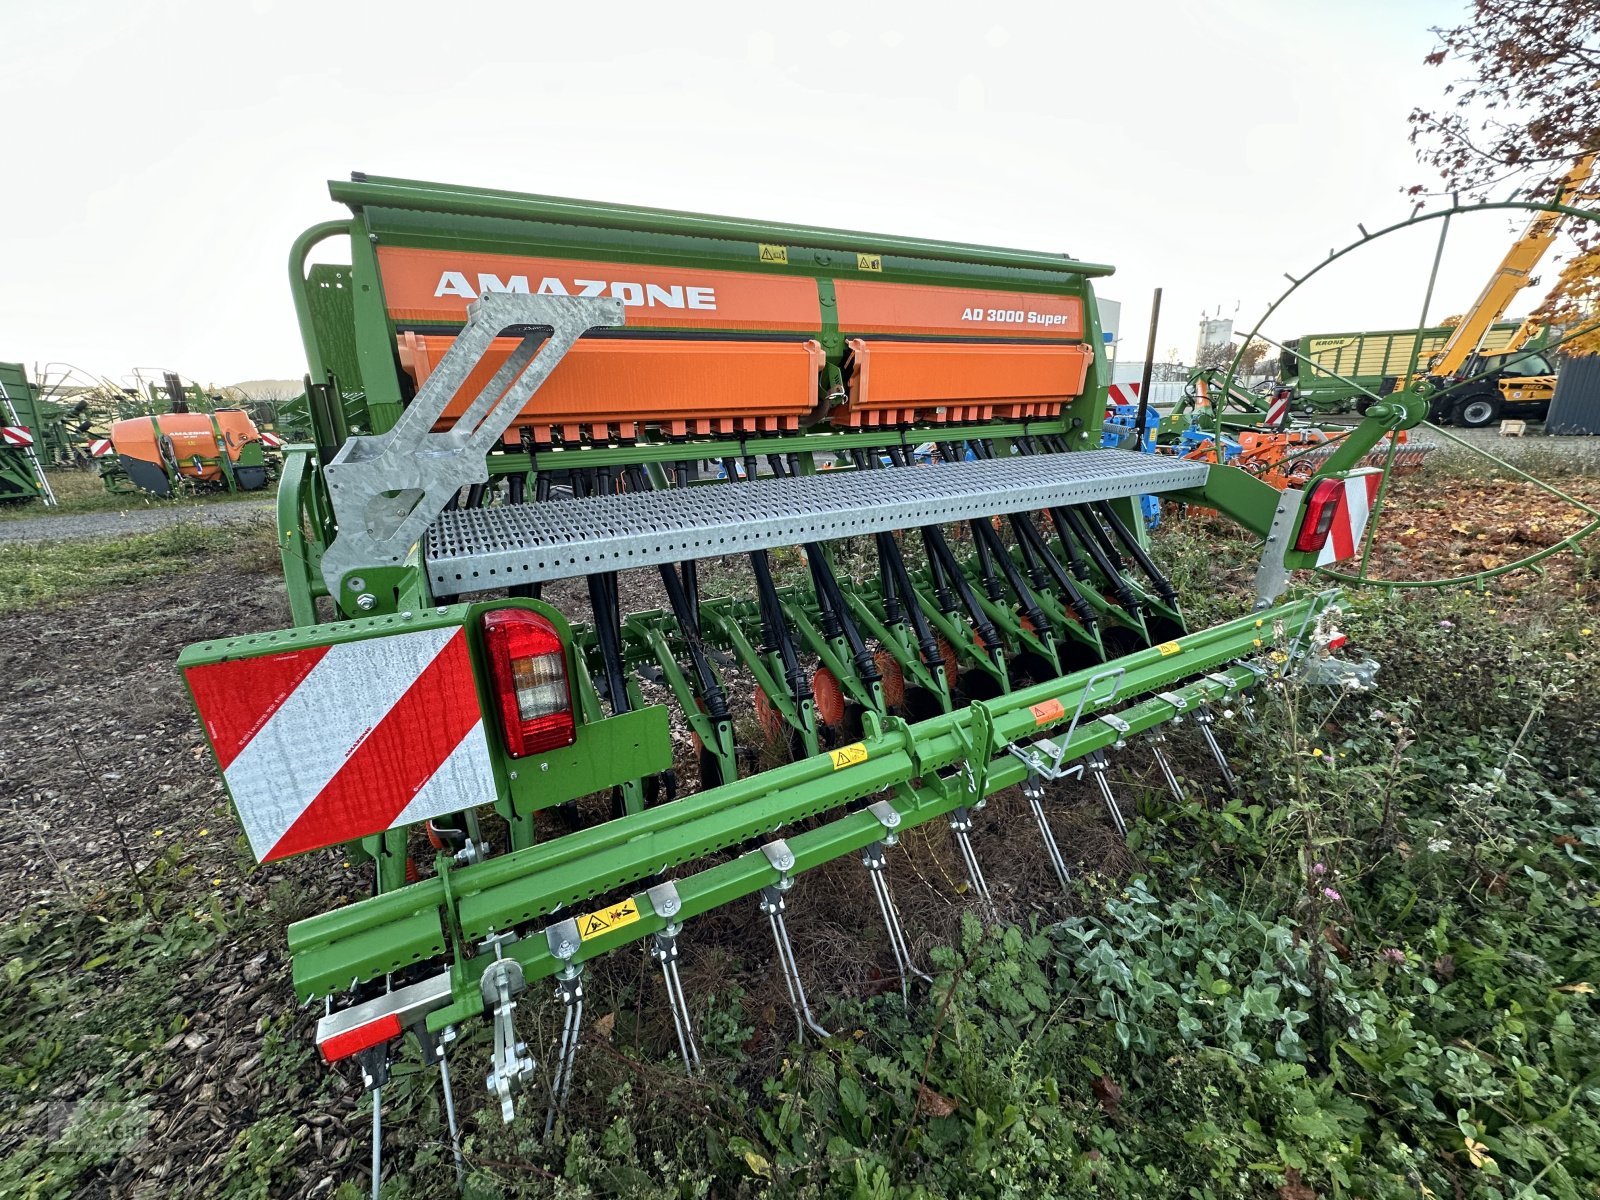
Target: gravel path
(140, 519)
(1574, 453)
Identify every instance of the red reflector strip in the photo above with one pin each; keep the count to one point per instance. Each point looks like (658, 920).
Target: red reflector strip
(1359, 493)
(325, 744)
(354, 1041)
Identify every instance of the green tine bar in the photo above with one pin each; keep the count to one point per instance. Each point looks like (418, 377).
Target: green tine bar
(331, 948)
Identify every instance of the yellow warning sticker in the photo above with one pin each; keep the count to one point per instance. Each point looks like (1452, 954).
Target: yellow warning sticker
(848, 756)
(1168, 648)
(604, 920)
(774, 254)
(869, 262)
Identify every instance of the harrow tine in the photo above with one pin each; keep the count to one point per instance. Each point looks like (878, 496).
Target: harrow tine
(1247, 705)
(961, 828)
(450, 1118)
(377, 1140)
(876, 860)
(664, 949)
(665, 952)
(1205, 719)
(1099, 766)
(432, 1046)
(772, 906)
(569, 988)
(1033, 789)
(1158, 751)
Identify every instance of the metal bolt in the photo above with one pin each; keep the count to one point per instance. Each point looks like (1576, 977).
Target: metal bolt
(356, 584)
(367, 602)
(405, 616)
(544, 766)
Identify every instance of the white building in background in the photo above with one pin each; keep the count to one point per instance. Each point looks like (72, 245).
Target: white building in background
(1214, 331)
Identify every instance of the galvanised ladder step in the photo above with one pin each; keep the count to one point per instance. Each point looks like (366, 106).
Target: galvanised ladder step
(468, 549)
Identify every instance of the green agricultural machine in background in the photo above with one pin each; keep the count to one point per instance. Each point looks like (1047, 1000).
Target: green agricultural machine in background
(517, 401)
(34, 433)
(1336, 372)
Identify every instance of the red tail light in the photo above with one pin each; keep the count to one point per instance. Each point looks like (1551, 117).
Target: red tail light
(1321, 509)
(529, 664)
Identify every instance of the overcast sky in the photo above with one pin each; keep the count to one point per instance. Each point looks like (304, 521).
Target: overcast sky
(162, 156)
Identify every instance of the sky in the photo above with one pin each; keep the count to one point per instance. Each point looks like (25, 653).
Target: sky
(162, 156)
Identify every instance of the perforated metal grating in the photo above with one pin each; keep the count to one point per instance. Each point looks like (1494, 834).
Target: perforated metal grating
(529, 543)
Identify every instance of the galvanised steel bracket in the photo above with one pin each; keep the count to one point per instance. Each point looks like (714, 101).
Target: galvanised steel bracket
(389, 488)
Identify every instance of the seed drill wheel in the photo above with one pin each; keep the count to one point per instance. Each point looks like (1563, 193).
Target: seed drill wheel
(1472, 402)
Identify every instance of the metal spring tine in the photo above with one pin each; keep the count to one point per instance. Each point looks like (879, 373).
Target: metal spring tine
(961, 827)
(1098, 768)
(1158, 749)
(377, 1139)
(1033, 789)
(1205, 718)
(665, 951)
(772, 903)
(875, 858)
(450, 1119)
(569, 987)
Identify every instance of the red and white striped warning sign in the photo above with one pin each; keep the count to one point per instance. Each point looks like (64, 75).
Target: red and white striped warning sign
(1278, 408)
(1350, 519)
(15, 435)
(99, 447)
(1122, 393)
(324, 744)
(271, 440)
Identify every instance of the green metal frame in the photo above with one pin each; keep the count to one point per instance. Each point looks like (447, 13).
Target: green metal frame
(461, 905)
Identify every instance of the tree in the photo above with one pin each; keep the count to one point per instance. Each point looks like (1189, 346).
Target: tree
(1217, 356)
(1529, 106)
(1254, 351)
(1574, 304)
(1530, 100)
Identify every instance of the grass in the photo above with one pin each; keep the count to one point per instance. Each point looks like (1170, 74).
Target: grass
(40, 574)
(80, 492)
